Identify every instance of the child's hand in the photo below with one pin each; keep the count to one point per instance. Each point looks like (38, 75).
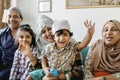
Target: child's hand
(24, 48)
(54, 72)
(89, 26)
(47, 71)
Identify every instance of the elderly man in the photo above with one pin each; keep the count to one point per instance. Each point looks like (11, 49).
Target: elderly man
(7, 41)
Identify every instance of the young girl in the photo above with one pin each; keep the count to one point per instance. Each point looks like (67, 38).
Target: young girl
(25, 55)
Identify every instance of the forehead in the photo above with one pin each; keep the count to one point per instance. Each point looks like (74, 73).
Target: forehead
(23, 32)
(46, 27)
(110, 25)
(62, 31)
(12, 12)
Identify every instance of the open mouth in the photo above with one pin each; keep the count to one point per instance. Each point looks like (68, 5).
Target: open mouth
(109, 38)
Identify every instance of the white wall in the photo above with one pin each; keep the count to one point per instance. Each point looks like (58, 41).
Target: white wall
(76, 17)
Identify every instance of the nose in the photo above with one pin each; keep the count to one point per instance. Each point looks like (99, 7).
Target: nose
(61, 37)
(24, 40)
(48, 33)
(11, 18)
(109, 32)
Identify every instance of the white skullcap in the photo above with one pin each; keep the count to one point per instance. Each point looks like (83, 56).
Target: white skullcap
(42, 22)
(58, 25)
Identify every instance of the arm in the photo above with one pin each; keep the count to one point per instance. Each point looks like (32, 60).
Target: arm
(88, 37)
(44, 66)
(15, 66)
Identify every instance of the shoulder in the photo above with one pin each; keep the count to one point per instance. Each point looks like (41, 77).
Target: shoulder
(48, 49)
(50, 45)
(3, 30)
(73, 43)
(96, 43)
(17, 52)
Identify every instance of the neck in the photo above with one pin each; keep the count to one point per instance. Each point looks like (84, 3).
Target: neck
(13, 32)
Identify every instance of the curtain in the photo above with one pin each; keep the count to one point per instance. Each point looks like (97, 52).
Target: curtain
(4, 4)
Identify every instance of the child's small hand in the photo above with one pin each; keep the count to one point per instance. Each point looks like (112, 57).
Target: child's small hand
(24, 48)
(89, 26)
(47, 71)
(54, 72)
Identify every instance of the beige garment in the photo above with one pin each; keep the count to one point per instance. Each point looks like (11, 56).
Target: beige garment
(106, 58)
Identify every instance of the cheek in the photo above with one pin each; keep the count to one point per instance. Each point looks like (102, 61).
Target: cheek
(43, 36)
(117, 36)
(20, 40)
(30, 42)
(103, 35)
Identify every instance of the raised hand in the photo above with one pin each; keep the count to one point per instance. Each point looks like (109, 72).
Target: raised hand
(24, 48)
(90, 26)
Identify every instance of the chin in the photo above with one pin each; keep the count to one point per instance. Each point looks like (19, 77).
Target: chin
(50, 40)
(109, 44)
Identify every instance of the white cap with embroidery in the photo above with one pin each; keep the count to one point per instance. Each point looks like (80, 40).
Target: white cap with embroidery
(58, 25)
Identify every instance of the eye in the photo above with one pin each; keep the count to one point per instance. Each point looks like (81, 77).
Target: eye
(114, 29)
(15, 16)
(105, 30)
(43, 31)
(20, 37)
(28, 36)
(49, 28)
(65, 34)
(58, 34)
(9, 16)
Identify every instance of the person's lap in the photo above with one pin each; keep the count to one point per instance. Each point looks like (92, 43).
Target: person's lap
(37, 74)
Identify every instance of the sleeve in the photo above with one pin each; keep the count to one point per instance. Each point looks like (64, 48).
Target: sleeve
(38, 64)
(15, 66)
(46, 50)
(88, 65)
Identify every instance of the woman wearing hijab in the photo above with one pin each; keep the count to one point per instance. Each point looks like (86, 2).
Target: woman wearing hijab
(43, 32)
(103, 59)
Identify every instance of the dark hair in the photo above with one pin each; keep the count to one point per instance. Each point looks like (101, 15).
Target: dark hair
(27, 28)
(61, 31)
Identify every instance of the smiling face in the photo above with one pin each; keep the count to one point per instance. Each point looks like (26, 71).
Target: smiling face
(13, 19)
(46, 34)
(111, 34)
(61, 38)
(24, 37)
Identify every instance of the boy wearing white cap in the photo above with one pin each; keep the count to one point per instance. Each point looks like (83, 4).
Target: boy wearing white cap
(58, 58)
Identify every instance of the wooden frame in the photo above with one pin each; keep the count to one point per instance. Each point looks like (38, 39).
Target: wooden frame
(44, 6)
(74, 4)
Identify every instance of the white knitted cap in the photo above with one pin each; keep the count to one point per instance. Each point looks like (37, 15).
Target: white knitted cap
(42, 22)
(58, 25)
